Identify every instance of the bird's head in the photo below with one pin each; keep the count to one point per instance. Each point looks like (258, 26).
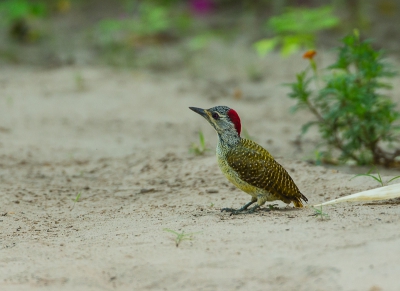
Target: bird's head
(224, 119)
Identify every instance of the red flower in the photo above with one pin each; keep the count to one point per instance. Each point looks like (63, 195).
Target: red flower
(309, 54)
(202, 7)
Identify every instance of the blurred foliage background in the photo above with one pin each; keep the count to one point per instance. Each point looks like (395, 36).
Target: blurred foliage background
(132, 33)
(224, 44)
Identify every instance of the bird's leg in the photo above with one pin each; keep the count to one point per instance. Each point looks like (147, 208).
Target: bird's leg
(237, 211)
(251, 210)
(247, 205)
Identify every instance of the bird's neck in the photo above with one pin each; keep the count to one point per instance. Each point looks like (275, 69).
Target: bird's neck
(228, 138)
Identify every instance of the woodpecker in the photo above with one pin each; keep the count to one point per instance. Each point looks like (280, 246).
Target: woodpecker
(248, 165)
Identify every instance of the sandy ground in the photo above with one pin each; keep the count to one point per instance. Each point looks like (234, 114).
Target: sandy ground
(121, 139)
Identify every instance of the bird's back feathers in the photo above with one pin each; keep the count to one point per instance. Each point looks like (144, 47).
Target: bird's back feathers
(255, 165)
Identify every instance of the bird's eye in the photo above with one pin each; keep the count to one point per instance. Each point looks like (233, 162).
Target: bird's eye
(215, 115)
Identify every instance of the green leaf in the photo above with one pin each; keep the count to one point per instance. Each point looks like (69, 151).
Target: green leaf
(378, 179)
(394, 178)
(202, 141)
(77, 197)
(297, 20)
(265, 46)
(290, 46)
(200, 41)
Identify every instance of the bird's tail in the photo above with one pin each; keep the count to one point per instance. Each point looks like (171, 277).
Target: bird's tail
(298, 202)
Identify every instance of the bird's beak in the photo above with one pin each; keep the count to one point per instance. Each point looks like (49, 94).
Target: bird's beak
(200, 111)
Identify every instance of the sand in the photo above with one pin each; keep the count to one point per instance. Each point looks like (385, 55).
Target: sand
(121, 140)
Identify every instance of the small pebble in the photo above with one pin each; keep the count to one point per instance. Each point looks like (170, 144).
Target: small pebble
(212, 191)
(144, 190)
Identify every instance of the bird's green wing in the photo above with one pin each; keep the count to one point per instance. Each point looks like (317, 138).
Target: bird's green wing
(256, 166)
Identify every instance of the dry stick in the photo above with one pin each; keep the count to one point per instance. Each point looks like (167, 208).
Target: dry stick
(381, 193)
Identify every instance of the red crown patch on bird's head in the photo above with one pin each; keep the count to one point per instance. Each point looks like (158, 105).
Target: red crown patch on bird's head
(235, 120)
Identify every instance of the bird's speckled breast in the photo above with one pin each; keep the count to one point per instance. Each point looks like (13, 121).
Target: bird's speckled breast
(231, 175)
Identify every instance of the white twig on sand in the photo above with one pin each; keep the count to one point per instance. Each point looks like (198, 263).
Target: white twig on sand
(382, 193)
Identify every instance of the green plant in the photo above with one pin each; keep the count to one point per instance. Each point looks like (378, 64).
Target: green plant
(273, 206)
(79, 81)
(12, 10)
(16, 15)
(320, 213)
(352, 112)
(152, 19)
(180, 236)
(201, 40)
(377, 178)
(76, 200)
(144, 23)
(201, 148)
(296, 29)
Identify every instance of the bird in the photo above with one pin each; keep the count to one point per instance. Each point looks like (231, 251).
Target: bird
(247, 165)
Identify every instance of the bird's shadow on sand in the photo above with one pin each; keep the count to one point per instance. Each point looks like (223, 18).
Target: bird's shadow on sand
(262, 210)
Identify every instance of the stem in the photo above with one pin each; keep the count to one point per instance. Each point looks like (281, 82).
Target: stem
(313, 65)
(339, 144)
(315, 111)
